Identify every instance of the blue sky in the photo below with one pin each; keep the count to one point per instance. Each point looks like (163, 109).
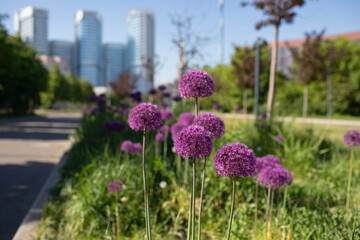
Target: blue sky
(333, 15)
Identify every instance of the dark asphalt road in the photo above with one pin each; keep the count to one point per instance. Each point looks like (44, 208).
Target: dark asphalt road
(30, 147)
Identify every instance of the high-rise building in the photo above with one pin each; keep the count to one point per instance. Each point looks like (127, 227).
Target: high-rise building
(114, 61)
(64, 50)
(140, 46)
(31, 25)
(88, 47)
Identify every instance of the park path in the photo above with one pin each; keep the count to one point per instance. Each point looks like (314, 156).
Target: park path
(350, 123)
(30, 147)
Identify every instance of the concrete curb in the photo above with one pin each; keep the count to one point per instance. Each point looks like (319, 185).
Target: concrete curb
(28, 226)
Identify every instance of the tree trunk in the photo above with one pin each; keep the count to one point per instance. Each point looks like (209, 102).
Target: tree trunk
(270, 100)
(305, 102)
(244, 101)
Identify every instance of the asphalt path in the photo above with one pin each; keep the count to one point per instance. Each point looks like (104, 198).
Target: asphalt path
(30, 147)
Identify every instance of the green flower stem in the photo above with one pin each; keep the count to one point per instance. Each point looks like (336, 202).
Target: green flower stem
(267, 207)
(193, 200)
(232, 209)
(147, 211)
(178, 165)
(165, 144)
(201, 199)
(117, 217)
(196, 107)
(186, 171)
(256, 206)
(271, 210)
(190, 218)
(349, 181)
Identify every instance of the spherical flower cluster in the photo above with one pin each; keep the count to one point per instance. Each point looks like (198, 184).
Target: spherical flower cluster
(159, 137)
(352, 138)
(166, 115)
(100, 100)
(166, 95)
(279, 138)
(152, 91)
(115, 186)
(236, 108)
(186, 118)
(136, 96)
(193, 141)
(176, 128)
(145, 116)
(266, 161)
(164, 105)
(165, 129)
(196, 83)
(211, 123)
(130, 147)
(216, 106)
(275, 177)
(177, 99)
(162, 87)
(235, 160)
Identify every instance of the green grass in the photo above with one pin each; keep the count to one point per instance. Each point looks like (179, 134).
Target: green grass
(315, 203)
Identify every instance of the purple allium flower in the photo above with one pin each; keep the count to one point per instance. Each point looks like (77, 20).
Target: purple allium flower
(196, 83)
(352, 138)
(118, 126)
(235, 160)
(211, 123)
(87, 110)
(279, 138)
(92, 98)
(236, 108)
(136, 96)
(136, 148)
(166, 94)
(101, 132)
(126, 146)
(115, 186)
(152, 91)
(216, 106)
(186, 118)
(124, 105)
(145, 116)
(164, 105)
(262, 126)
(165, 129)
(166, 115)
(263, 116)
(266, 161)
(159, 137)
(162, 87)
(176, 128)
(193, 141)
(177, 99)
(275, 177)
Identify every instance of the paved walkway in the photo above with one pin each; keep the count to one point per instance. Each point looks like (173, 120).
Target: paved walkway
(299, 120)
(30, 147)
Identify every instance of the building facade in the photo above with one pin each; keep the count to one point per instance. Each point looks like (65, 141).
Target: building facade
(284, 56)
(64, 50)
(31, 26)
(114, 61)
(140, 46)
(88, 47)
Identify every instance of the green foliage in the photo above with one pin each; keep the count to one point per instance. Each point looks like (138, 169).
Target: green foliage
(65, 88)
(314, 207)
(22, 76)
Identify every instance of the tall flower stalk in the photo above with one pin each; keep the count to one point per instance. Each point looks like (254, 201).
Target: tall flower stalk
(116, 187)
(215, 125)
(351, 139)
(143, 117)
(234, 160)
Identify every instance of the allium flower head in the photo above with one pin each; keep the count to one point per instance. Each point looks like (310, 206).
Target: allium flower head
(166, 115)
(211, 123)
(152, 91)
(136, 148)
(196, 83)
(275, 177)
(193, 141)
(216, 106)
(145, 116)
(159, 137)
(162, 87)
(177, 99)
(164, 105)
(165, 129)
(186, 118)
(352, 138)
(266, 161)
(115, 186)
(279, 138)
(235, 160)
(166, 94)
(126, 146)
(136, 96)
(176, 128)
(236, 108)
